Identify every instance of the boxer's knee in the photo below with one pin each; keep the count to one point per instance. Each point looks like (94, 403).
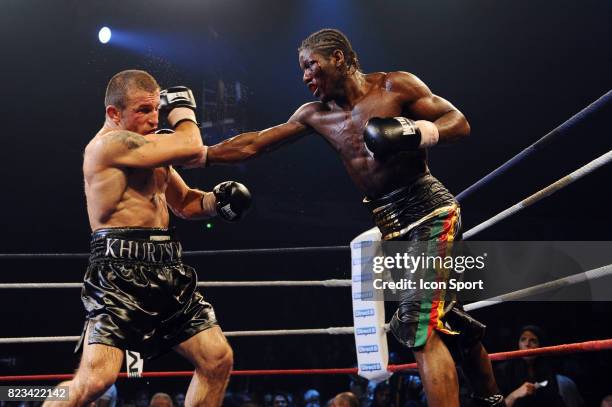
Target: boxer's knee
(209, 352)
(98, 370)
(218, 364)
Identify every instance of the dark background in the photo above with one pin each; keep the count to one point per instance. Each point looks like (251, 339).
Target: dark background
(517, 69)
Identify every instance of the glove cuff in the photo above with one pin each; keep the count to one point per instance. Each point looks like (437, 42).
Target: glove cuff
(429, 133)
(209, 204)
(179, 114)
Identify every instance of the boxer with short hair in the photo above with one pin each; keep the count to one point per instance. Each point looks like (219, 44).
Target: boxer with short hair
(381, 125)
(138, 294)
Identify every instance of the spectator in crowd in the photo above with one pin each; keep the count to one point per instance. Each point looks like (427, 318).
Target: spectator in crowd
(108, 399)
(142, 399)
(530, 381)
(358, 386)
(345, 399)
(312, 398)
(280, 400)
(268, 399)
(382, 396)
(161, 400)
(410, 391)
(569, 391)
(606, 401)
(179, 399)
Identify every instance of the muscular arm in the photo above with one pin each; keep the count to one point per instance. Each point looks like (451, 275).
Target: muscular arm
(122, 148)
(188, 203)
(250, 145)
(420, 104)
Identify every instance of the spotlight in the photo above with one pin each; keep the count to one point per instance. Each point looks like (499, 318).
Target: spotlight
(104, 35)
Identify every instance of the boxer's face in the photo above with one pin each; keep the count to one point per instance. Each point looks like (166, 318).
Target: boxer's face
(141, 114)
(321, 75)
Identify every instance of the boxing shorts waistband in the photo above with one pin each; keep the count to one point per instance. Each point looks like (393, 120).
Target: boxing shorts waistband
(394, 212)
(147, 245)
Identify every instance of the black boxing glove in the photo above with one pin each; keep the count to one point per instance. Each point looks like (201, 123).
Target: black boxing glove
(233, 200)
(385, 137)
(179, 104)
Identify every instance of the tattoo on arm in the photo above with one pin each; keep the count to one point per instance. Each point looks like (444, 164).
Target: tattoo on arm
(129, 139)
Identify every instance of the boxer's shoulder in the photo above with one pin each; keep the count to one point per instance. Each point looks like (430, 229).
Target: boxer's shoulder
(307, 111)
(102, 149)
(376, 78)
(111, 141)
(122, 139)
(402, 82)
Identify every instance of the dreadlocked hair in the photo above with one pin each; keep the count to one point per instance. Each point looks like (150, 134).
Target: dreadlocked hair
(326, 41)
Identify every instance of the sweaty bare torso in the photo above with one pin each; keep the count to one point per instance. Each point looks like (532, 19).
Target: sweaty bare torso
(343, 129)
(121, 197)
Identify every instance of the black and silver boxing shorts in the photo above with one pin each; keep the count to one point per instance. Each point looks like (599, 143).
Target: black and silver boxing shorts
(138, 294)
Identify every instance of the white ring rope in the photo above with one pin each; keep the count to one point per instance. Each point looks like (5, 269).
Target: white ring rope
(268, 332)
(563, 130)
(543, 193)
(288, 283)
(589, 275)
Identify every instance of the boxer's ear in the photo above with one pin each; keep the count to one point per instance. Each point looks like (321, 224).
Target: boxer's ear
(113, 113)
(339, 60)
